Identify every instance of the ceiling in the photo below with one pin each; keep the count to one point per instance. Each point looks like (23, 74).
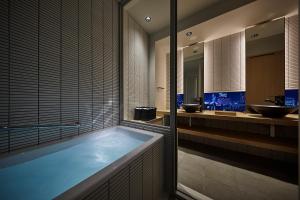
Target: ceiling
(191, 51)
(265, 30)
(159, 11)
(234, 21)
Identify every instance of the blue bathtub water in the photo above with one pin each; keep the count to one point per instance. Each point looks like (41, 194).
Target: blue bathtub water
(49, 171)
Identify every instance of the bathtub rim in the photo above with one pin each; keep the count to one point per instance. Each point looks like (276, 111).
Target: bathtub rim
(28, 153)
(91, 183)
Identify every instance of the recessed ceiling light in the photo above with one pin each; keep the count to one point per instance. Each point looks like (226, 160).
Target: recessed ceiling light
(189, 34)
(148, 19)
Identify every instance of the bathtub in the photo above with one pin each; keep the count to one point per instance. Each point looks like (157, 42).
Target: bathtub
(100, 164)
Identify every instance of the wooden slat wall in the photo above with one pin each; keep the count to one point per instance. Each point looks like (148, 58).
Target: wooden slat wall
(59, 64)
(4, 74)
(135, 75)
(208, 66)
(224, 63)
(70, 66)
(98, 61)
(291, 53)
(24, 43)
(85, 67)
(49, 69)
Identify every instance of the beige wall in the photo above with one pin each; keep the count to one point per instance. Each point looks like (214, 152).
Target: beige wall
(224, 63)
(162, 75)
(291, 53)
(135, 71)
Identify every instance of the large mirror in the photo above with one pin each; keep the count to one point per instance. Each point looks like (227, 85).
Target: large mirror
(193, 73)
(265, 63)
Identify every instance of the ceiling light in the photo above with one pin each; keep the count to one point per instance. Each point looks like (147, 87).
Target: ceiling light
(189, 34)
(148, 19)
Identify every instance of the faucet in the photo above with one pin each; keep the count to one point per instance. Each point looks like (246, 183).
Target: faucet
(278, 100)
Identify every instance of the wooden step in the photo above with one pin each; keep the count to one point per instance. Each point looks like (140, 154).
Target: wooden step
(254, 140)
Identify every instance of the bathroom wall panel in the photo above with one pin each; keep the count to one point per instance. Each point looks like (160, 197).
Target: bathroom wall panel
(23, 104)
(146, 73)
(102, 192)
(119, 185)
(131, 69)
(167, 82)
(70, 68)
(137, 62)
(108, 56)
(167, 76)
(160, 77)
(125, 65)
(147, 175)
(291, 53)
(85, 67)
(180, 71)
(226, 65)
(208, 66)
(49, 69)
(158, 168)
(4, 75)
(135, 68)
(136, 179)
(217, 55)
(116, 74)
(141, 67)
(235, 60)
(243, 61)
(98, 63)
(49, 75)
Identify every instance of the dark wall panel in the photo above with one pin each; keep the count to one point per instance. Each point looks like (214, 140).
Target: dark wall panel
(49, 69)
(59, 65)
(147, 175)
(108, 69)
(70, 68)
(119, 186)
(116, 76)
(4, 74)
(85, 66)
(136, 179)
(97, 59)
(23, 71)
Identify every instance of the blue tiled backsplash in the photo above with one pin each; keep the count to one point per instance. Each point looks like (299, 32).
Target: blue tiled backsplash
(180, 99)
(229, 101)
(291, 98)
(235, 101)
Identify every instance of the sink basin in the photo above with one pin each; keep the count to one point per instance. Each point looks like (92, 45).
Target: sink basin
(273, 111)
(191, 108)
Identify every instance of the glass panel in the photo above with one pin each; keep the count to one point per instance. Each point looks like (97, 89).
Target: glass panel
(146, 48)
(228, 62)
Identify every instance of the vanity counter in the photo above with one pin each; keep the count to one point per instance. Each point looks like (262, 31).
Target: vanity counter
(289, 120)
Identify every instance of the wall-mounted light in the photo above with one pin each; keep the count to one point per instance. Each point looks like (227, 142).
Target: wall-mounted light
(148, 19)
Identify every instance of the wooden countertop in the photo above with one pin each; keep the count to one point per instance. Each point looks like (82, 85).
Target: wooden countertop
(289, 120)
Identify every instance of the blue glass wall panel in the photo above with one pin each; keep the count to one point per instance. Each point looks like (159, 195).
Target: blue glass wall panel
(180, 99)
(229, 101)
(291, 98)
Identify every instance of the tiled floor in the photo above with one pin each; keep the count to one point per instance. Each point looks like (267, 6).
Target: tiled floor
(221, 181)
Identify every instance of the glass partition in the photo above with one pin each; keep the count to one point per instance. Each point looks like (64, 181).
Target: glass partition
(237, 99)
